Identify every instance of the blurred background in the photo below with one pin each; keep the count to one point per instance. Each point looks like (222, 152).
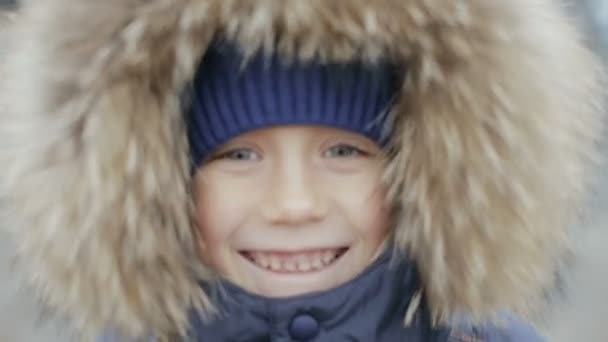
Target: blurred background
(581, 316)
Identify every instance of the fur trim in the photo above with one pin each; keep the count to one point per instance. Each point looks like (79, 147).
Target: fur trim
(496, 126)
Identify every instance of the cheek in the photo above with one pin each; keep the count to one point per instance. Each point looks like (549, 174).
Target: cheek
(362, 202)
(216, 215)
(374, 213)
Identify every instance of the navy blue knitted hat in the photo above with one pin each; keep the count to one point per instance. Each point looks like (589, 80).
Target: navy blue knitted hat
(232, 97)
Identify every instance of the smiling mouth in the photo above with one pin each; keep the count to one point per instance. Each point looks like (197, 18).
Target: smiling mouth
(294, 262)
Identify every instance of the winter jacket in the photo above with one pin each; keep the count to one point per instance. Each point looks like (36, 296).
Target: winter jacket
(372, 307)
(494, 141)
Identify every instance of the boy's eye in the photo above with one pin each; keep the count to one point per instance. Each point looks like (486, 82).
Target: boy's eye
(239, 155)
(344, 151)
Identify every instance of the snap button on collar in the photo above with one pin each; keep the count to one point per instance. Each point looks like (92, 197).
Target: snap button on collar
(303, 327)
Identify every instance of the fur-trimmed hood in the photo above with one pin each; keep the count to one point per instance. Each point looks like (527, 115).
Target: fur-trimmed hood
(494, 137)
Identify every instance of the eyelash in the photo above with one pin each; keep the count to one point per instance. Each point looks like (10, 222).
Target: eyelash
(229, 155)
(355, 152)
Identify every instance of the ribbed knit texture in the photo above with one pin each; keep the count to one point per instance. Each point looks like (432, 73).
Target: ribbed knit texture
(232, 97)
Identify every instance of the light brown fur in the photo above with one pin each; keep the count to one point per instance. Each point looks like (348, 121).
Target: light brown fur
(495, 132)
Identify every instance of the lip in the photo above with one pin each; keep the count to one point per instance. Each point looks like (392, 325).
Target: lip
(293, 250)
(271, 283)
(338, 252)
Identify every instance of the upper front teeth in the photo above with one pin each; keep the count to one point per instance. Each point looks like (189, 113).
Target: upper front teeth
(301, 262)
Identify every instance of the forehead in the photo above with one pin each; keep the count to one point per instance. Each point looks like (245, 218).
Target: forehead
(283, 133)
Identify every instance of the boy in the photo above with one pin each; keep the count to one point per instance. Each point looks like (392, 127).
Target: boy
(295, 171)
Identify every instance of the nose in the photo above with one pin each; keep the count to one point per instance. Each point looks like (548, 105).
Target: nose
(294, 197)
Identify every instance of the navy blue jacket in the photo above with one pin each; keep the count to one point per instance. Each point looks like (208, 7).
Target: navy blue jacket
(371, 307)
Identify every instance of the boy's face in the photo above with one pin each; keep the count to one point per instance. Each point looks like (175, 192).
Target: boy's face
(293, 209)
